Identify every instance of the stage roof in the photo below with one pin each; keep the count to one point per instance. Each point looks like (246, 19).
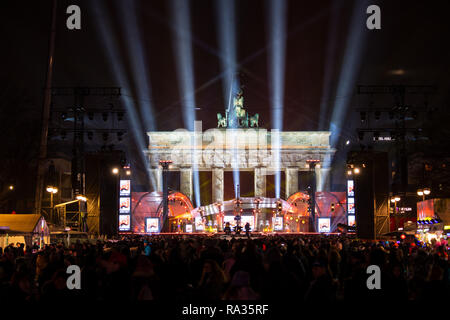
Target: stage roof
(20, 222)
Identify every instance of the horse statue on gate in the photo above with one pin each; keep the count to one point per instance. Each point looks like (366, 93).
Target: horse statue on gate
(254, 120)
(221, 121)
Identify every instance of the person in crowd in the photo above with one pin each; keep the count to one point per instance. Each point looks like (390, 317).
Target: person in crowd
(212, 281)
(227, 228)
(247, 229)
(209, 268)
(240, 288)
(147, 248)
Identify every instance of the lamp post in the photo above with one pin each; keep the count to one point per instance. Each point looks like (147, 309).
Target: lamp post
(423, 192)
(116, 173)
(312, 168)
(165, 166)
(52, 190)
(394, 200)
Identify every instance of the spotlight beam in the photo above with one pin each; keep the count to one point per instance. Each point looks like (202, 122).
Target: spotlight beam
(112, 52)
(138, 62)
(183, 59)
(349, 71)
(182, 41)
(227, 44)
(230, 84)
(330, 55)
(277, 39)
(248, 59)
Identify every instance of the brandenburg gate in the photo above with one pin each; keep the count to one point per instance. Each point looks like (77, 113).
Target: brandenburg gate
(239, 144)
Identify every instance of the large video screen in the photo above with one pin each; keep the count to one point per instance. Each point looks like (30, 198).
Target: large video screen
(277, 223)
(151, 225)
(124, 205)
(324, 224)
(351, 205)
(350, 188)
(351, 221)
(125, 188)
(199, 225)
(124, 222)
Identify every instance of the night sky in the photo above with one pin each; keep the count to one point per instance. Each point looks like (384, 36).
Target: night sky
(411, 48)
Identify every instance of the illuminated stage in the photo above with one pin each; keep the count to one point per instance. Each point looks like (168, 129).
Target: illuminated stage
(265, 215)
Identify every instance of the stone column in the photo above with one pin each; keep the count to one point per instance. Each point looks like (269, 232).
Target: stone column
(217, 185)
(318, 175)
(260, 182)
(291, 181)
(326, 178)
(322, 179)
(156, 177)
(186, 182)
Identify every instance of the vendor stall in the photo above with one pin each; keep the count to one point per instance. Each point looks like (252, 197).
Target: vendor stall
(23, 228)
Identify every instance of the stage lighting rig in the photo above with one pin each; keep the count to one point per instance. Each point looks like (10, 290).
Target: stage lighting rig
(399, 129)
(76, 126)
(279, 207)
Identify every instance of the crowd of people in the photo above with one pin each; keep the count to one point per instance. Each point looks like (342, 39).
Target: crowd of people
(208, 268)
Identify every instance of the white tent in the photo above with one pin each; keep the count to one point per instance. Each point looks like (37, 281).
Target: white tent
(23, 228)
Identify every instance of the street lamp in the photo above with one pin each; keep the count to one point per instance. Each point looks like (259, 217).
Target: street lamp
(423, 192)
(11, 187)
(81, 198)
(52, 190)
(165, 166)
(115, 170)
(394, 200)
